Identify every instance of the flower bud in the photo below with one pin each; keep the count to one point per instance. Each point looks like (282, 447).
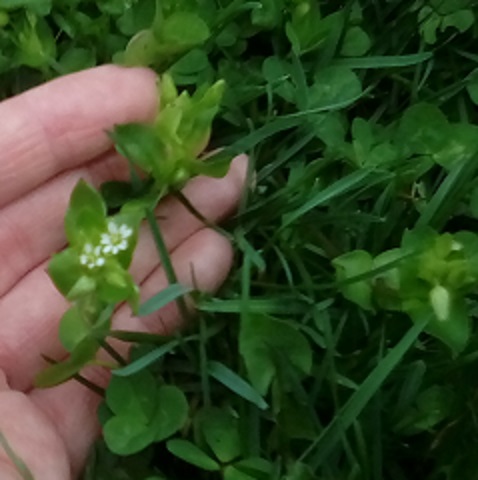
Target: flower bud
(440, 301)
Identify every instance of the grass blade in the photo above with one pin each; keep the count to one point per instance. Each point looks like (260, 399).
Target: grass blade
(19, 464)
(235, 383)
(384, 61)
(318, 452)
(161, 299)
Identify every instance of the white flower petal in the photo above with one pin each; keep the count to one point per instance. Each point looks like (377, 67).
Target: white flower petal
(125, 231)
(105, 239)
(113, 228)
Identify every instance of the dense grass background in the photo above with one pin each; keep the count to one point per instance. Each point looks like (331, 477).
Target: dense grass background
(359, 117)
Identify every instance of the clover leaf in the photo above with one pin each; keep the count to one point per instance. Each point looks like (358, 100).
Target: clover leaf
(260, 338)
(143, 412)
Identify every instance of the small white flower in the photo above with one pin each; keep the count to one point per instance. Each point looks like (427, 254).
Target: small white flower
(116, 239)
(91, 256)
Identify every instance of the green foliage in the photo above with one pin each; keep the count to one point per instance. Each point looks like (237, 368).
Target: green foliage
(344, 343)
(263, 338)
(142, 412)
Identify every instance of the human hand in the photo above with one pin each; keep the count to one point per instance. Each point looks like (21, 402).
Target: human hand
(50, 137)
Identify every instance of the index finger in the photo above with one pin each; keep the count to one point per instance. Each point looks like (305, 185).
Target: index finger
(63, 123)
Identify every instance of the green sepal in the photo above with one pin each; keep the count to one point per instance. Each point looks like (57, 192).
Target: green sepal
(138, 143)
(217, 166)
(83, 286)
(116, 285)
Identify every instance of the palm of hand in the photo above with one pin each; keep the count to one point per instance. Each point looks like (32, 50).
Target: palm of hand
(51, 137)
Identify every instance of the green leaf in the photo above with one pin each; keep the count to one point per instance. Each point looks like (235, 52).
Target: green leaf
(356, 42)
(135, 395)
(76, 59)
(161, 299)
(352, 264)
(423, 129)
(86, 214)
(40, 7)
(255, 467)
(142, 50)
(192, 63)
(461, 144)
(171, 412)
(182, 29)
(268, 14)
(432, 406)
(73, 328)
(65, 270)
(294, 419)
(137, 17)
(462, 20)
(126, 435)
(221, 433)
(115, 284)
(454, 330)
(258, 336)
(334, 85)
(139, 144)
(84, 285)
(307, 30)
(472, 86)
(58, 373)
(474, 202)
(190, 453)
(35, 41)
(216, 167)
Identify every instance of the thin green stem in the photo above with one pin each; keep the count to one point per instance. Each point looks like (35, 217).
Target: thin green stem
(92, 386)
(165, 258)
(192, 209)
(112, 352)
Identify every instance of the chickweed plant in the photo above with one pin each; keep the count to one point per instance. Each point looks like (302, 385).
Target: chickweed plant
(343, 345)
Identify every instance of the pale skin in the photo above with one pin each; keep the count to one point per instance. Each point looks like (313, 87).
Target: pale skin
(50, 137)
